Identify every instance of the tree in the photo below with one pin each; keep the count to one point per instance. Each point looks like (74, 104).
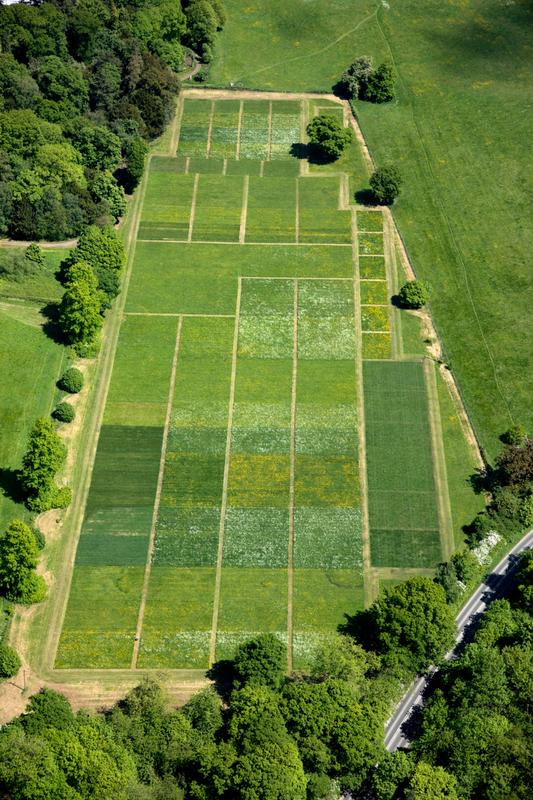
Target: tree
(391, 775)
(379, 85)
(101, 248)
(202, 24)
(9, 661)
(340, 657)
(105, 189)
(431, 783)
(43, 458)
(353, 80)
(411, 623)
(413, 294)
(18, 559)
(62, 80)
(99, 147)
(385, 183)
(64, 412)
(261, 661)
(47, 709)
(273, 771)
(34, 254)
(328, 137)
(135, 153)
(204, 712)
(514, 466)
(79, 312)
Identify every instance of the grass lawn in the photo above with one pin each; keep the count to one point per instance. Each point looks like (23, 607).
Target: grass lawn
(459, 133)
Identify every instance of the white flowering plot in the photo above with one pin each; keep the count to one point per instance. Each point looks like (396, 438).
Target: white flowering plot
(256, 537)
(326, 320)
(328, 538)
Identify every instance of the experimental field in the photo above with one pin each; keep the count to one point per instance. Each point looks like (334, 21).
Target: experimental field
(271, 446)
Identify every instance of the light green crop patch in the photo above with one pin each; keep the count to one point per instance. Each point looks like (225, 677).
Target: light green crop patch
(218, 208)
(323, 597)
(372, 268)
(260, 440)
(253, 599)
(167, 206)
(227, 643)
(260, 416)
(328, 538)
(370, 221)
(256, 537)
(266, 337)
(370, 243)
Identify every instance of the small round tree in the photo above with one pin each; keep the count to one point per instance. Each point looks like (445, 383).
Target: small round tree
(64, 412)
(515, 435)
(413, 294)
(261, 661)
(9, 661)
(327, 137)
(34, 253)
(379, 86)
(385, 184)
(71, 381)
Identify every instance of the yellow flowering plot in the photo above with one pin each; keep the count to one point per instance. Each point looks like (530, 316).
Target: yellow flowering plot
(326, 480)
(257, 480)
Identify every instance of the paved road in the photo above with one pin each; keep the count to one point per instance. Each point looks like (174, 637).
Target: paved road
(496, 585)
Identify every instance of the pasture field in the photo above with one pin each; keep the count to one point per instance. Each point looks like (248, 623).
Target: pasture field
(458, 131)
(30, 364)
(259, 386)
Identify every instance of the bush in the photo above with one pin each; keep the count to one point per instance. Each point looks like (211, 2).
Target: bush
(328, 137)
(9, 661)
(39, 537)
(17, 268)
(379, 86)
(71, 381)
(34, 590)
(385, 184)
(413, 294)
(64, 412)
(515, 435)
(61, 497)
(353, 80)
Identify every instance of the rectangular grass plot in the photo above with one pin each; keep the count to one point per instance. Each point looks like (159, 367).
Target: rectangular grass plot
(401, 489)
(370, 244)
(217, 214)
(372, 268)
(266, 327)
(167, 206)
(253, 600)
(271, 210)
(224, 129)
(320, 219)
(256, 537)
(285, 128)
(370, 221)
(323, 597)
(194, 127)
(328, 538)
(326, 320)
(254, 139)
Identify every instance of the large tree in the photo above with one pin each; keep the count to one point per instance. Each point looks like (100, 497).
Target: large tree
(327, 137)
(44, 457)
(18, 559)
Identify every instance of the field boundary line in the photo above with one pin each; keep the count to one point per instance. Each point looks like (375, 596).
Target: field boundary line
(297, 212)
(439, 463)
(254, 244)
(289, 278)
(368, 588)
(193, 207)
(187, 164)
(224, 166)
(262, 169)
(157, 500)
(239, 128)
(292, 467)
(396, 348)
(304, 117)
(244, 209)
(270, 131)
(172, 314)
(224, 499)
(102, 381)
(210, 130)
(176, 128)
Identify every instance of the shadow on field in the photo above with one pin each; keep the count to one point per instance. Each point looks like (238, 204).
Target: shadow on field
(10, 484)
(51, 325)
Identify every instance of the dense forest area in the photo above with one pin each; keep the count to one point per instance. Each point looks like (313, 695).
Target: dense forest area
(83, 86)
(258, 734)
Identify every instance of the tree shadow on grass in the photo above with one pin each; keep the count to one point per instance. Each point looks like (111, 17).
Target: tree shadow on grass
(10, 484)
(365, 197)
(51, 327)
(222, 673)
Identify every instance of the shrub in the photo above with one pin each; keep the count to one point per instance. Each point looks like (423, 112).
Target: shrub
(328, 137)
(39, 537)
(33, 591)
(64, 412)
(353, 80)
(44, 456)
(385, 184)
(261, 661)
(34, 253)
(17, 268)
(61, 497)
(413, 294)
(71, 381)
(9, 661)
(515, 435)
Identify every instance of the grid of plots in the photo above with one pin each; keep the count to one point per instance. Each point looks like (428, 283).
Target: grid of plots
(257, 130)
(225, 496)
(375, 295)
(404, 527)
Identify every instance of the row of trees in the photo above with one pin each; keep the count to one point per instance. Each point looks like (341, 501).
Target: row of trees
(83, 86)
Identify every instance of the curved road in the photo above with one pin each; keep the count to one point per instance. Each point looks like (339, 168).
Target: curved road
(495, 586)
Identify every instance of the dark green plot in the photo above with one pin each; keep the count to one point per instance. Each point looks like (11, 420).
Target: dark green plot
(126, 467)
(260, 440)
(244, 167)
(403, 509)
(205, 166)
(218, 208)
(121, 520)
(271, 215)
(405, 548)
(112, 550)
(187, 537)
